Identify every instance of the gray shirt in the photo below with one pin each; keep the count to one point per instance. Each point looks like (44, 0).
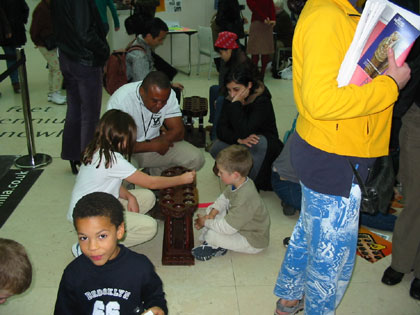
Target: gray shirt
(283, 165)
(139, 62)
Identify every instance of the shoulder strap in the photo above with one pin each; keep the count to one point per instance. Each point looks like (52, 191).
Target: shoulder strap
(130, 43)
(136, 47)
(359, 179)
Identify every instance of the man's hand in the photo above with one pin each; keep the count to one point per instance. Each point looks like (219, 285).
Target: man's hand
(116, 29)
(178, 85)
(401, 75)
(250, 140)
(161, 144)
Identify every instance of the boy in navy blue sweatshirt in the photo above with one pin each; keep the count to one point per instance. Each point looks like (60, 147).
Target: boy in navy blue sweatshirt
(108, 277)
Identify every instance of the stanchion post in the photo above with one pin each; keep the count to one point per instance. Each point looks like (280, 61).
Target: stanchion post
(33, 159)
(25, 103)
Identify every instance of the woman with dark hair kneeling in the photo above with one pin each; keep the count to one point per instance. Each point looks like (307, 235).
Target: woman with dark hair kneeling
(248, 118)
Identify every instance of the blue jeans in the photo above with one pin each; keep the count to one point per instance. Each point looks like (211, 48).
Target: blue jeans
(213, 94)
(320, 256)
(84, 98)
(215, 106)
(289, 192)
(257, 151)
(11, 50)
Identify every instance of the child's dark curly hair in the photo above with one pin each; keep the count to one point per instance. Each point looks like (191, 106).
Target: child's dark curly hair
(99, 204)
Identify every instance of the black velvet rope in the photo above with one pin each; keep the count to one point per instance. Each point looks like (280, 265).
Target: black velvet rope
(5, 74)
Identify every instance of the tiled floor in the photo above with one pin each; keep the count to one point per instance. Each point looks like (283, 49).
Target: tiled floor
(232, 284)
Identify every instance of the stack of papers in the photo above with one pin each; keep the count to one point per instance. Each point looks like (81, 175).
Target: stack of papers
(382, 25)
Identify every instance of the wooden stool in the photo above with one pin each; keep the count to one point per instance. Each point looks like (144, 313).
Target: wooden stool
(195, 106)
(178, 204)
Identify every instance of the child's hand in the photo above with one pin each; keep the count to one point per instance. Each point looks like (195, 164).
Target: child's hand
(155, 310)
(133, 205)
(188, 177)
(199, 222)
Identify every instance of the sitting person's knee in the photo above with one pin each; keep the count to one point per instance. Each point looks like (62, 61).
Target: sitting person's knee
(198, 161)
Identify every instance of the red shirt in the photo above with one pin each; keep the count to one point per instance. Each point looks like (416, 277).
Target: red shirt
(261, 9)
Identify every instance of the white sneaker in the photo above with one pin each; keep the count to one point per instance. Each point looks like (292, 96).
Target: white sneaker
(75, 249)
(57, 98)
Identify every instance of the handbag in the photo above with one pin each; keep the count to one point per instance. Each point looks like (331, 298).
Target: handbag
(378, 189)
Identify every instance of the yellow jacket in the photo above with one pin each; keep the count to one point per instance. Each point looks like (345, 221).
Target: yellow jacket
(351, 120)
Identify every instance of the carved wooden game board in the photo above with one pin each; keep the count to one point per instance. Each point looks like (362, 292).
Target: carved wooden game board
(178, 204)
(195, 106)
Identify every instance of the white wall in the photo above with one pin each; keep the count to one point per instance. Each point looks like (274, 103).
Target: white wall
(194, 13)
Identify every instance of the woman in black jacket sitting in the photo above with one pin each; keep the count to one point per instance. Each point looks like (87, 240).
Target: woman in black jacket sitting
(232, 55)
(248, 118)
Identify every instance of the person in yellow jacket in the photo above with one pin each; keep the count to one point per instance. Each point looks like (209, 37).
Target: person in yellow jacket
(335, 126)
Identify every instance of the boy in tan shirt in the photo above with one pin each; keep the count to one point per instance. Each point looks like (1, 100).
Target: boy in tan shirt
(238, 219)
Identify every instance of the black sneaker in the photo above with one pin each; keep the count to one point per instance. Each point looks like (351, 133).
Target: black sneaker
(288, 210)
(206, 252)
(286, 241)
